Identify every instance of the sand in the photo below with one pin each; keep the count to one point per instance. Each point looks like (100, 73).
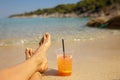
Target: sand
(97, 59)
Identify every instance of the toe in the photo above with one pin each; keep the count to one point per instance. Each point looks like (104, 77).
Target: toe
(31, 52)
(27, 53)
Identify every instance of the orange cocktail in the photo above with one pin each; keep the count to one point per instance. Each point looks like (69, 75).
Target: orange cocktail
(64, 65)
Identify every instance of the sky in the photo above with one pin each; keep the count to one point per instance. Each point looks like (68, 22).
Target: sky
(9, 7)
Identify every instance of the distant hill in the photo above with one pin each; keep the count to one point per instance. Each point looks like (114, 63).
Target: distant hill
(83, 8)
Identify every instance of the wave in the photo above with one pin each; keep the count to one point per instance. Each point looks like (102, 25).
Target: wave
(57, 36)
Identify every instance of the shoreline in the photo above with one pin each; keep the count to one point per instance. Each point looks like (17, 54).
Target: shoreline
(54, 15)
(91, 35)
(59, 15)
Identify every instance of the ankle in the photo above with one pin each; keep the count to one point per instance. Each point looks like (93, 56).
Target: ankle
(37, 61)
(38, 58)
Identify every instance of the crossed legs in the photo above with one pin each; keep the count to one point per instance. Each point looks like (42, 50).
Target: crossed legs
(32, 66)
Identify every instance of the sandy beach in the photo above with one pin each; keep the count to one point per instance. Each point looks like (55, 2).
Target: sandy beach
(92, 59)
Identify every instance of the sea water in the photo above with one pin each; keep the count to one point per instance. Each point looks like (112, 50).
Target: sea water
(16, 31)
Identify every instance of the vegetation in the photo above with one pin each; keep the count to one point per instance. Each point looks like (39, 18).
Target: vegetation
(80, 7)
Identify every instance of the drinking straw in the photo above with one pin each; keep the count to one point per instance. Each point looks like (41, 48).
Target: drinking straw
(63, 48)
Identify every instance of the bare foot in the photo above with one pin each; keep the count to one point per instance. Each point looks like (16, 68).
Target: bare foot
(44, 44)
(40, 53)
(29, 53)
(43, 47)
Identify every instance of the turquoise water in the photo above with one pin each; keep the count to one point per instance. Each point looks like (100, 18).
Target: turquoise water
(14, 31)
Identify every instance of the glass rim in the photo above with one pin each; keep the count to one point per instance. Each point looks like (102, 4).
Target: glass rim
(70, 55)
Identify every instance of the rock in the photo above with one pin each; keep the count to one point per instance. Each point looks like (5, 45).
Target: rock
(105, 22)
(97, 21)
(114, 23)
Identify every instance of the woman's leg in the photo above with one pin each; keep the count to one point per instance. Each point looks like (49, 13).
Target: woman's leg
(21, 71)
(26, 69)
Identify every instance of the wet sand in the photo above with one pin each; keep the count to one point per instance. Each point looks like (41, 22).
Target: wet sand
(92, 59)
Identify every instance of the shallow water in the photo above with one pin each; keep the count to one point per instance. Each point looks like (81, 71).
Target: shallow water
(17, 31)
